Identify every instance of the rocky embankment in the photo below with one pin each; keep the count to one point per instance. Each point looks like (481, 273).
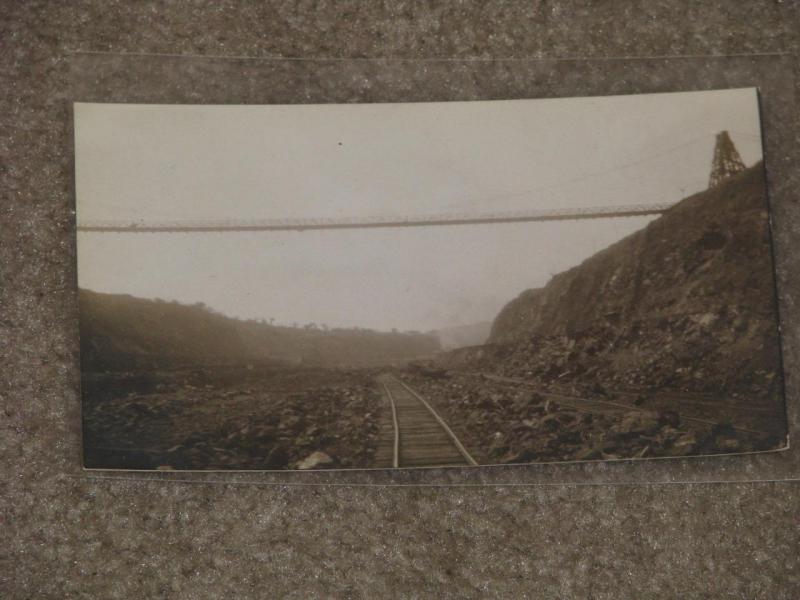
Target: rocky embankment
(687, 303)
(502, 424)
(287, 420)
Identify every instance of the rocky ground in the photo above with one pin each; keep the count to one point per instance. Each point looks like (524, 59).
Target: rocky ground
(230, 419)
(278, 418)
(514, 424)
(659, 361)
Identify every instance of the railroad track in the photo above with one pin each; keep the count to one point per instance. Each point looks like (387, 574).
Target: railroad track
(416, 436)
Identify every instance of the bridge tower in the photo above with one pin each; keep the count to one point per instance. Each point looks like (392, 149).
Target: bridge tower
(727, 161)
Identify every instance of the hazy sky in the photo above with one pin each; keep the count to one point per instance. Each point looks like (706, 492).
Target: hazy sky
(163, 163)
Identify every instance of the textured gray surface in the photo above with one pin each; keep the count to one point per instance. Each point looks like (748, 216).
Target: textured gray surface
(67, 536)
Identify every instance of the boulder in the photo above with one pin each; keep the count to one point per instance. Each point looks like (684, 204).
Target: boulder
(315, 460)
(535, 397)
(550, 422)
(670, 418)
(291, 423)
(685, 445)
(724, 429)
(498, 451)
(587, 454)
(524, 456)
(277, 458)
(639, 423)
(569, 437)
(728, 445)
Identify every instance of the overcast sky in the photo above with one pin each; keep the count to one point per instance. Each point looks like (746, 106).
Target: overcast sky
(163, 163)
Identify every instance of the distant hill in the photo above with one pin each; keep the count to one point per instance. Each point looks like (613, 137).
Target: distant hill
(686, 302)
(460, 336)
(122, 332)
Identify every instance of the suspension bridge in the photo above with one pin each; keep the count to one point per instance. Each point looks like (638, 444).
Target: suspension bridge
(725, 164)
(597, 212)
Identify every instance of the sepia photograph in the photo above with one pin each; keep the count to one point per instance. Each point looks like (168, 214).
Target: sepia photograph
(438, 284)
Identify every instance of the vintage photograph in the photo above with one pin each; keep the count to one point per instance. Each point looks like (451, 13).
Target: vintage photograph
(377, 286)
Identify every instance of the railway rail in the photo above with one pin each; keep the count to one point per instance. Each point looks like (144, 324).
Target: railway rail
(417, 436)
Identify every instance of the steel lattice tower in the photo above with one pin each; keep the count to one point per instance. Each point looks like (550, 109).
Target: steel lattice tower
(727, 161)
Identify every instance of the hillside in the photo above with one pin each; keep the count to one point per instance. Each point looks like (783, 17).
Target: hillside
(686, 302)
(121, 332)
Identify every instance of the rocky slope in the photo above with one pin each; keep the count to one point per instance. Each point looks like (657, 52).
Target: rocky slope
(686, 303)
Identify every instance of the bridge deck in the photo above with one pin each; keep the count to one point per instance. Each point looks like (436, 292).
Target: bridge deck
(521, 216)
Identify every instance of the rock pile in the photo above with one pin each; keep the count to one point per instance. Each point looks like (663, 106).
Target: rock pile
(499, 424)
(636, 360)
(275, 425)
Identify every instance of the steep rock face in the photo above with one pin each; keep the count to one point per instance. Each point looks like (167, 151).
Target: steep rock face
(688, 302)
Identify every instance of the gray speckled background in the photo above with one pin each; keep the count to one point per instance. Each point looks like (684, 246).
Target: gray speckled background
(574, 531)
